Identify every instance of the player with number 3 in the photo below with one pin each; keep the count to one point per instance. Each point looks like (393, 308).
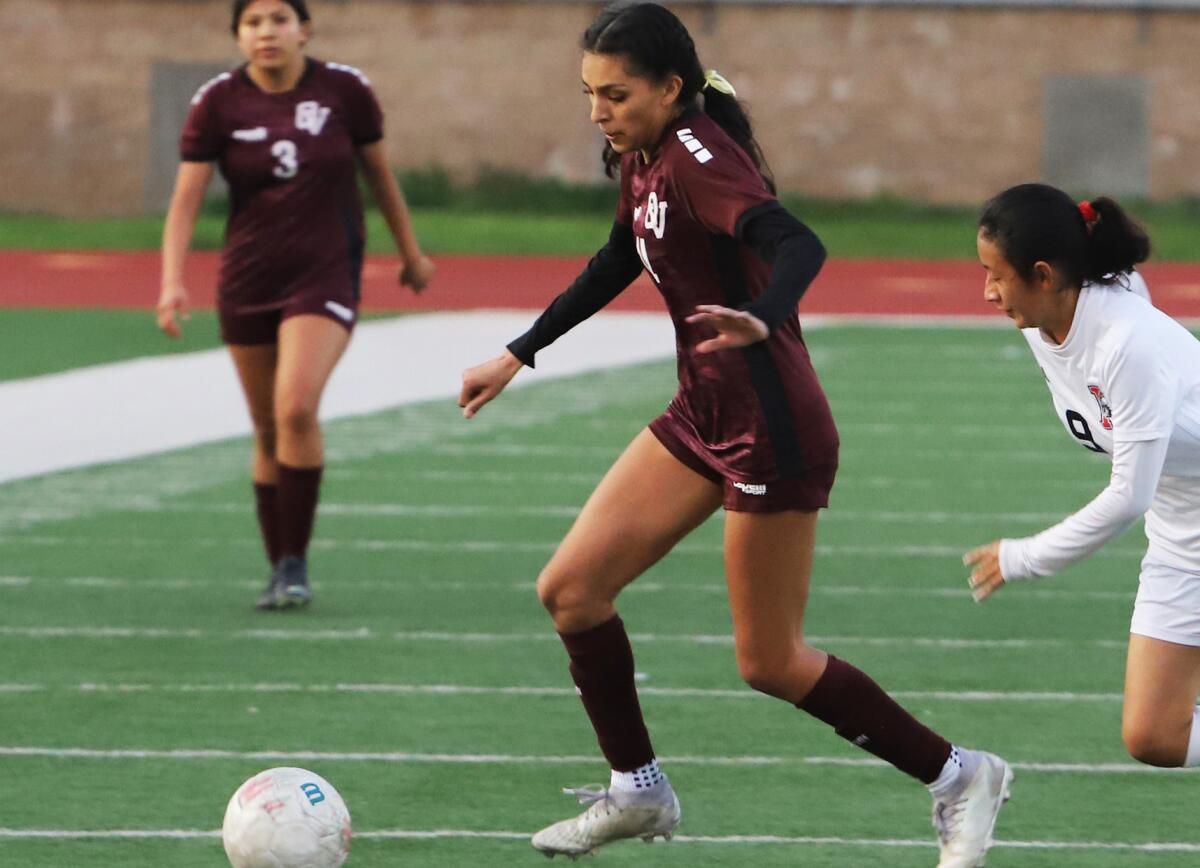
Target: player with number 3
(289, 134)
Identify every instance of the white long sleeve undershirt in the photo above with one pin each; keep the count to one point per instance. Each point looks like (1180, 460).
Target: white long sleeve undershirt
(1137, 466)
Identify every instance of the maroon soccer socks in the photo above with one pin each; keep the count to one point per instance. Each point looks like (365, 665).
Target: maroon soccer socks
(296, 505)
(861, 712)
(266, 502)
(602, 666)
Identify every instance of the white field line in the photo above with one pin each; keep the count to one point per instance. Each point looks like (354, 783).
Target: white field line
(439, 510)
(404, 584)
(490, 546)
(476, 834)
(369, 635)
(404, 757)
(137, 407)
(384, 689)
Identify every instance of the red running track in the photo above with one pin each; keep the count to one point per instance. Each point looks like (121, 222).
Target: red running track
(845, 287)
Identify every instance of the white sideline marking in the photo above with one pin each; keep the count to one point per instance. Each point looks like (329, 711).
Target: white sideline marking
(524, 690)
(403, 584)
(188, 754)
(467, 834)
(445, 510)
(149, 405)
(366, 633)
(489, 546)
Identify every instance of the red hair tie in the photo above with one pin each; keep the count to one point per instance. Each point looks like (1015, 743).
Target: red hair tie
(1088, 212)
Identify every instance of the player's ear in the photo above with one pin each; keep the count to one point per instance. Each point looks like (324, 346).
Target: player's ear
(1043, 275)
(306, 27)
(671, 89)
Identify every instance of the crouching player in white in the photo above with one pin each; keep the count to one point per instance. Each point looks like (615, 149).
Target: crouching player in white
(1125, 380)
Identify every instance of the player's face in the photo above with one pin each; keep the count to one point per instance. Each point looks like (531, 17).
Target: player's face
(630, 110)
(1025, 302)
(271, 35)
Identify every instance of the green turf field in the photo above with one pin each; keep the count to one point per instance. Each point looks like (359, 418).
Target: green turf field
(427, 683)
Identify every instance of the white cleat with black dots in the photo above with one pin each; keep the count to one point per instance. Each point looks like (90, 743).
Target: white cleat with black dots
(965, 823)
(612, 815)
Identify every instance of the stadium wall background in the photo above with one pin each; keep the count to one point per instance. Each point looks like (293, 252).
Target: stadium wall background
(940, 103)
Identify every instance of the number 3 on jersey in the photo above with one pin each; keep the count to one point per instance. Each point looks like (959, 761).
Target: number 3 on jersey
(284, 151)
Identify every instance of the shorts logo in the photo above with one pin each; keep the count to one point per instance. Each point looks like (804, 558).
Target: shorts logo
(342, 312)
(311, 116)
(257, 134)
(1105, 407)
(757, 489)
(701, 153)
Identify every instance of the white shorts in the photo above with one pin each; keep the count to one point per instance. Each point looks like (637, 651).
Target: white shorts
(1168, 604)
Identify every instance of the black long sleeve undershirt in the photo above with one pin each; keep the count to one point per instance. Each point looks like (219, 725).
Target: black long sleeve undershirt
(614, 267)
(794, 253)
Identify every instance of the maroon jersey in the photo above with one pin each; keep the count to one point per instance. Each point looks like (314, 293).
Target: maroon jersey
(754, 414)
(295, 222)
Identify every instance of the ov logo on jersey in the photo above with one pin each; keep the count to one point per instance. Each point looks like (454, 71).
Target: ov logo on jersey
(311, 116)
(1105, 407)
(656, 215)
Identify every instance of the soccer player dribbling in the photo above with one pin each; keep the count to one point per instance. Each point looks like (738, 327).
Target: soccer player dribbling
(288, 133)
(1124, 379)
(749, 429)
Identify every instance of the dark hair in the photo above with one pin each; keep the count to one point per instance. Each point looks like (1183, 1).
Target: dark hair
(239, 6)
(1033, 223)
(656, 45)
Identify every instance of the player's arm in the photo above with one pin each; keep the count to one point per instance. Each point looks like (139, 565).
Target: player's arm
(417, 270)
(795, 255)
(614, 267)
(191, 182)
(1137, 466)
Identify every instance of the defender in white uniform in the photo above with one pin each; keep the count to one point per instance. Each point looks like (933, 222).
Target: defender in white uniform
(1125, 381)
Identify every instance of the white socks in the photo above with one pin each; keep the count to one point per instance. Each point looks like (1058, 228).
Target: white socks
(1193, 752)
(642, 778)
(959, 767)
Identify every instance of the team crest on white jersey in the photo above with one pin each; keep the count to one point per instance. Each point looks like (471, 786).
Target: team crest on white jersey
(311, 116)
(1105, 407)
(656, 215)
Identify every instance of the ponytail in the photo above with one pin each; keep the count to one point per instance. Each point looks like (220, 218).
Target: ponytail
(1116, 243)
(1093, 241)
(656, 45)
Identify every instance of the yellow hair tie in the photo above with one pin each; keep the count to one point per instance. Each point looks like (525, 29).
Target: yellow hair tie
(718, 82)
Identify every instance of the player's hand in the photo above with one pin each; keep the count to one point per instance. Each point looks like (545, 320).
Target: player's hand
(417, 272)
(985, 577)
(172, 307)
(484, 382)
(735, 328)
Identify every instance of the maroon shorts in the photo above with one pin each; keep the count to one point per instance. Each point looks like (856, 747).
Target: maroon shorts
(804, 493)
(249, 326)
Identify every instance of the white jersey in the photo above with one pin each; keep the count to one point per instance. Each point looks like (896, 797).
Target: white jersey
(1125, 382)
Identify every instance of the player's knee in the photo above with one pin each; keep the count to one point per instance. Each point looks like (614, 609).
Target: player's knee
(265, 435)
(296, 417)
(1152, 746)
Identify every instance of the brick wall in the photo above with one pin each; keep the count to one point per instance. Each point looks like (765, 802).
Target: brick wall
(939, 104)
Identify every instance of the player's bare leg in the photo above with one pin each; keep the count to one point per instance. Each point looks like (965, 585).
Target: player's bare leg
(1160, 723)
(309, 350)
(646, 503)
(768, 565)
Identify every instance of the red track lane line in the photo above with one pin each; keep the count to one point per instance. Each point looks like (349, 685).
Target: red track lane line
(845, 287)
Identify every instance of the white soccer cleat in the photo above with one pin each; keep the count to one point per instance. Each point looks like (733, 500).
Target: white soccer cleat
(612, 815)
(965, 823)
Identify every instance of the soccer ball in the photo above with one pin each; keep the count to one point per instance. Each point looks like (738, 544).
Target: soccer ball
(286, 818)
